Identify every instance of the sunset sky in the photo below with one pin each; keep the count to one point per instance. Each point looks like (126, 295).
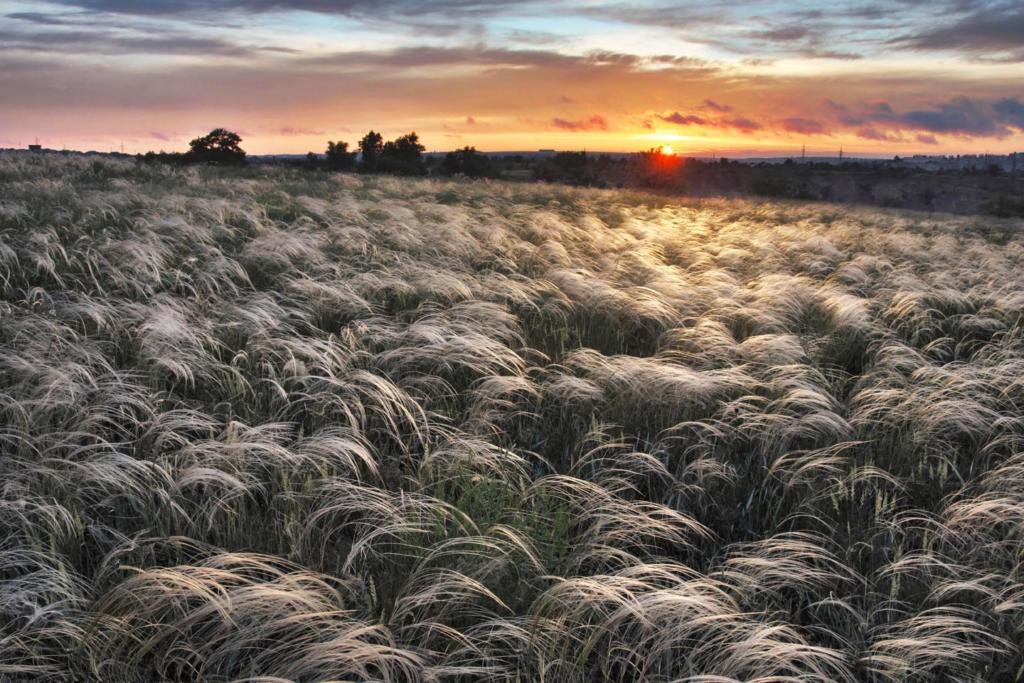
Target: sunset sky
(762, 76)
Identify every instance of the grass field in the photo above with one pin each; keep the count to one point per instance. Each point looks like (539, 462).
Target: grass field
(267, 425)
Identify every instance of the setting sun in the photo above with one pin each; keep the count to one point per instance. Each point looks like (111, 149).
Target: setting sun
(667, 150)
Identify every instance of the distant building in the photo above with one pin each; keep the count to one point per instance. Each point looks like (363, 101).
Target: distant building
(35, 148)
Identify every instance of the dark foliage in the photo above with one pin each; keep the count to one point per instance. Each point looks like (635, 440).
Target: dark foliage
(219, 146)
(402, 156)
(468, 162)
(370, 149)
(338, 157)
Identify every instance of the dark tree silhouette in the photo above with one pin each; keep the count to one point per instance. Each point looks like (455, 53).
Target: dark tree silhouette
(220, 146)
(468, 162)
(338, 156)
(370, 149)
(574, 168)
(403, 156)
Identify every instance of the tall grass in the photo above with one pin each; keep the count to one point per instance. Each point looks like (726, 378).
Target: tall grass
(263, 425)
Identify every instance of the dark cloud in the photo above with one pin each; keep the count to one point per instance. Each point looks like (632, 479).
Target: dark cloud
(986, 30)
(743, 125)
(1011, 112)
(40, 18)
(685, 119)
(842, 32)
(617, 58)
(804, 126)
(591, 123)
(678, 60)
(927, 139)
(343, 7)
(810, 36)
(713, 119)
(484, 56)
(875, 134)
(961, 116)
(830, 54)
(442, 56)
(715, 106)
(783, 34)
(101, 41)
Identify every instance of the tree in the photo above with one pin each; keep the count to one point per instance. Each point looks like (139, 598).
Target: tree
(220, 146)
(573, 168)
(338, 156)
(370, 149)
(403, 156)
(468, 162)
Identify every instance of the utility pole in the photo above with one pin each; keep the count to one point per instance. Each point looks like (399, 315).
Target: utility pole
(803, 154)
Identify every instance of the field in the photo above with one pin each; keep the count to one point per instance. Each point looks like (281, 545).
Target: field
(270, 425)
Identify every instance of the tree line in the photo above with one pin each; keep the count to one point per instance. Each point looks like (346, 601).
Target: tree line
(401, 156)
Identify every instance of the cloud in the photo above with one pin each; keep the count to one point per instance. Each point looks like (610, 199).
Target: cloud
(988, 30)
(961, 116)
(64, 77)
(810, 37)
(875, 134)
(40, 18)
(743, 125)
(712, 119)
(715, 106)
(338, 7)
(591, 123)
(470, 121)
(483, 56)
(685, 119)
(803, 126)
(1011, 112)
(102, 41)
(296, 131)
(784, 34)
(419, 57)
(926, 139)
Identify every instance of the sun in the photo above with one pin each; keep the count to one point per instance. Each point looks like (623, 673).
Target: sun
(667, 150)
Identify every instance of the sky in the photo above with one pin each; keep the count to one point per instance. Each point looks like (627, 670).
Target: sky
(743, 78)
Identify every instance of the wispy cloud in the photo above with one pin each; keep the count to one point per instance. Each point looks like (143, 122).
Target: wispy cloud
(995, 30)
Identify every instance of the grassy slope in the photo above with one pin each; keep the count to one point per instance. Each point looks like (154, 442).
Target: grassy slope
(257, 423)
